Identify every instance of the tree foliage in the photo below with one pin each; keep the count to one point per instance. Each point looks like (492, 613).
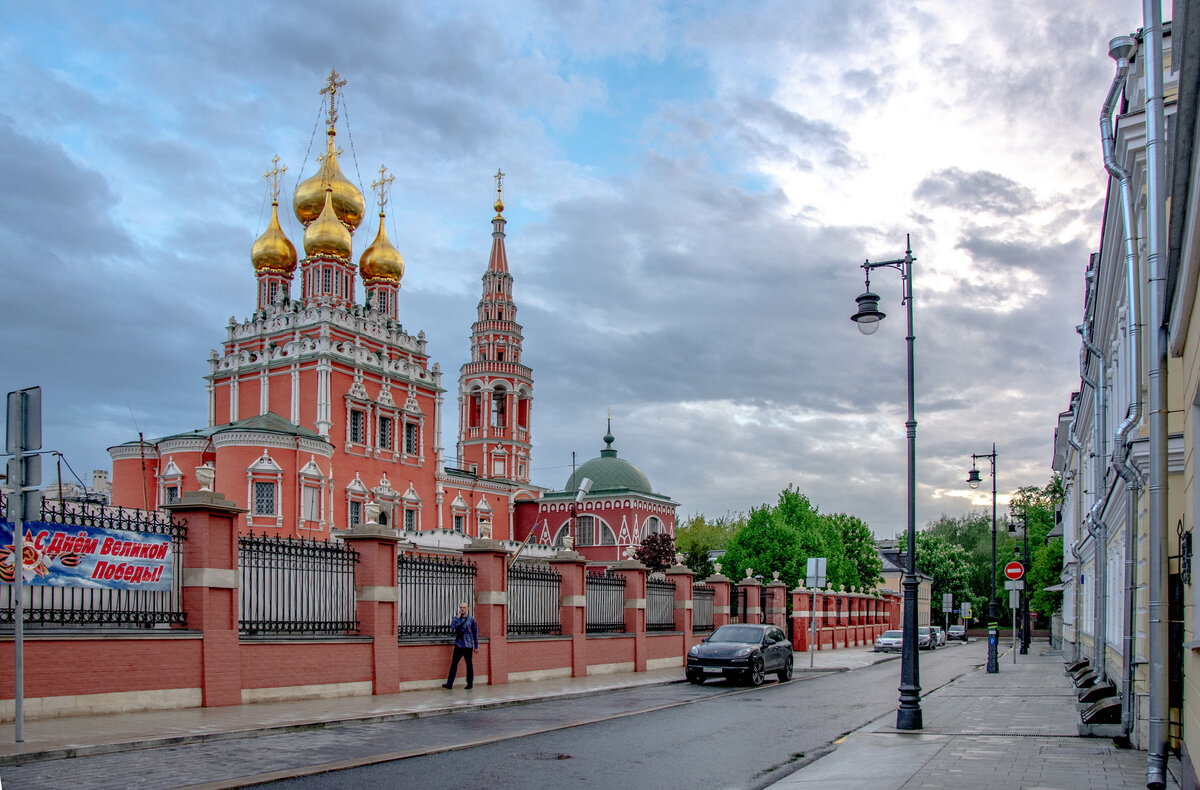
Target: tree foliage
(657, 552)
(698, 536)
(784, 536)
(949, 565)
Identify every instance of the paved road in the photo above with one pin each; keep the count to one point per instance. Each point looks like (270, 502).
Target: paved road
(718, 735)
(744, 739)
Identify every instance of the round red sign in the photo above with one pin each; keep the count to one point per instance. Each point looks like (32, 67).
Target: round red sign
(1014, 570)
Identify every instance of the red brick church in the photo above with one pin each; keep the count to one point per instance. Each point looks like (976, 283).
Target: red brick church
(319, 403)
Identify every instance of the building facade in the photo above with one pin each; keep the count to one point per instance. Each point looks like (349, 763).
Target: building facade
(319, 404)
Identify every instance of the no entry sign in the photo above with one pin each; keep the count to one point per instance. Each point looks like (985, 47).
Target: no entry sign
(1014, 570)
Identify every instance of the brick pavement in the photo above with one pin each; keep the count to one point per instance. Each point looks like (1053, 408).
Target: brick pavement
(1013, 729)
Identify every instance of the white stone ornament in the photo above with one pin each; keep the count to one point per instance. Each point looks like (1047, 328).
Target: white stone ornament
(775, 575)
(371, 513)
(717, 568)
(679, 558)
(749, 573)
(631, 551)
(205, 476)
(569, 543)
(485, 531)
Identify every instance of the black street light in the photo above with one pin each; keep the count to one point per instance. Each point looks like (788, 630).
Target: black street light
(908, 715)
(1017, 521)
(993, 661)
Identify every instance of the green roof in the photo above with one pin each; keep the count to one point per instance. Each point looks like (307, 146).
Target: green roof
(610, 473)
(267, 423)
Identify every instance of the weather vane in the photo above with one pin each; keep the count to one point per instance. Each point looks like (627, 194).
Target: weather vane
(331, 87)
(381, 186)
(273, 175)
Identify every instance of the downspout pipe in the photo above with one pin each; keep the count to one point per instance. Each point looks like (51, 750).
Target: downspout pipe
(1097, 526)
(1156, 222)
(1078, 448)
(1121, 50)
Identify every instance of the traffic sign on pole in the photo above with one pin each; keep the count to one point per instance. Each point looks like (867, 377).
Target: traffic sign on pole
(24, 420)
(1014, 570)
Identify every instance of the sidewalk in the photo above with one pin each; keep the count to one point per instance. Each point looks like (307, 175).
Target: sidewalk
(47, 739)
(1014, 729)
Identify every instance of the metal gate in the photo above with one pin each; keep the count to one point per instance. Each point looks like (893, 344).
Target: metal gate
(738, 599)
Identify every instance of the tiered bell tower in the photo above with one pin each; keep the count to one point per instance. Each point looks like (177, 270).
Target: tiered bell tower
(495, 391)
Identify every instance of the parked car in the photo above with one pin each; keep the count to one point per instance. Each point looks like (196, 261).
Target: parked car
(925, 638)
(889, 642)
(957, 632)
(939, 633)
(741, 652)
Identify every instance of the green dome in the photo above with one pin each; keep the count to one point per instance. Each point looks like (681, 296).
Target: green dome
(609, 473)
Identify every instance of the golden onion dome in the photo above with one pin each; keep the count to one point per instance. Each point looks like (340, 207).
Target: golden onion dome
(381, 261)
(326, 235)
(498, 205)
(273, 251)
(348, 203)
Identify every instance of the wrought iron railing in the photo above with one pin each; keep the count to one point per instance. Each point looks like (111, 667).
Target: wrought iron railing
(703, 610)
(296, 586)
(604, 611)
(660, 605)
(430, 590)
(57, 607)
(533, 600)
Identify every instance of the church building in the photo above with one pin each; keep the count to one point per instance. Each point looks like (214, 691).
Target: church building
(318, 404)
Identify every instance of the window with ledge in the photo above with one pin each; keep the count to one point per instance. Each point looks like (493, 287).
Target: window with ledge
(385, 433)
(327, 280)
(585, 530)
(499, 408)
(264, 499)
(172, 494)
(310, 503)
(412, 438)
(459, 522)
(358, 423)
(274, 293)
(355, 512)
(410, 520)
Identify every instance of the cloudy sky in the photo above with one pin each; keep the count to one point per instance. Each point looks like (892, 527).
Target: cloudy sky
(690, 190)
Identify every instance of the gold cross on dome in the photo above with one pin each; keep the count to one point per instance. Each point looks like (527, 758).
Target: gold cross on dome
(381, 186)
(499, 181)
(273, 175)
(331, 87)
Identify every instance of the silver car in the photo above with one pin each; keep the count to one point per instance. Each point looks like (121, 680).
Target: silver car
(889, 642)
(939, 633)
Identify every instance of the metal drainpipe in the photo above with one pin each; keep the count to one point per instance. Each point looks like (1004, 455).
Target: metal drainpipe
(1121, 50)
(1156, 222)
(1075, 445)
(1100, 528)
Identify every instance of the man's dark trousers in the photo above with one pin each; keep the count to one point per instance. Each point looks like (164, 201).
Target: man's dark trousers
(461, 652)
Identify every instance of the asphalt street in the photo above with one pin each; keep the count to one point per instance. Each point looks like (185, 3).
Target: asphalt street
(679, 735)
(745, 739)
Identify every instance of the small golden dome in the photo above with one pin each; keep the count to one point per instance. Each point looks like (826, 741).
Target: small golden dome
(381, 260)
(498, 205)
(326, 235)
(273, 251)
(348, 203)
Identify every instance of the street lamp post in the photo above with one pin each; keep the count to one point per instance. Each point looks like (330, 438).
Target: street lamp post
(908, 714)
(993, 662)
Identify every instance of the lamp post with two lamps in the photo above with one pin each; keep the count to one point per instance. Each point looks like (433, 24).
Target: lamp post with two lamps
(993, 661)
(908, 714)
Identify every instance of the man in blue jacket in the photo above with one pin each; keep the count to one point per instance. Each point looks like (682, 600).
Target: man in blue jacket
(466, 642)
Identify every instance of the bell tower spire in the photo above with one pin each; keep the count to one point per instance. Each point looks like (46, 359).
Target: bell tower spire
(495, 391)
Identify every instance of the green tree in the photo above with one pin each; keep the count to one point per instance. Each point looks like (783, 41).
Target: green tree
(861, 562)
(697, 536)
(764, 544)
(950, 567)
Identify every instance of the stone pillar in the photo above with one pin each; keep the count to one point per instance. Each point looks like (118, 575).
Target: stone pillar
(801, 618)
(572, 604)
(720, 585)
(682, 576)
(634, 574)
(491, 604)
(753, 590)
(777, 610)
(209, 571)
(377, 595)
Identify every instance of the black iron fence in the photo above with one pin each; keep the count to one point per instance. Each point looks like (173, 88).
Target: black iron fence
(660, 605)
(739, 599)
(430, 590)
(533, 600)
(605, 608)
(56, 607)
(703, 610)
(296, 586)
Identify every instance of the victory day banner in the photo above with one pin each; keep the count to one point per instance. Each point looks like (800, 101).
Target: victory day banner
(58, 555)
